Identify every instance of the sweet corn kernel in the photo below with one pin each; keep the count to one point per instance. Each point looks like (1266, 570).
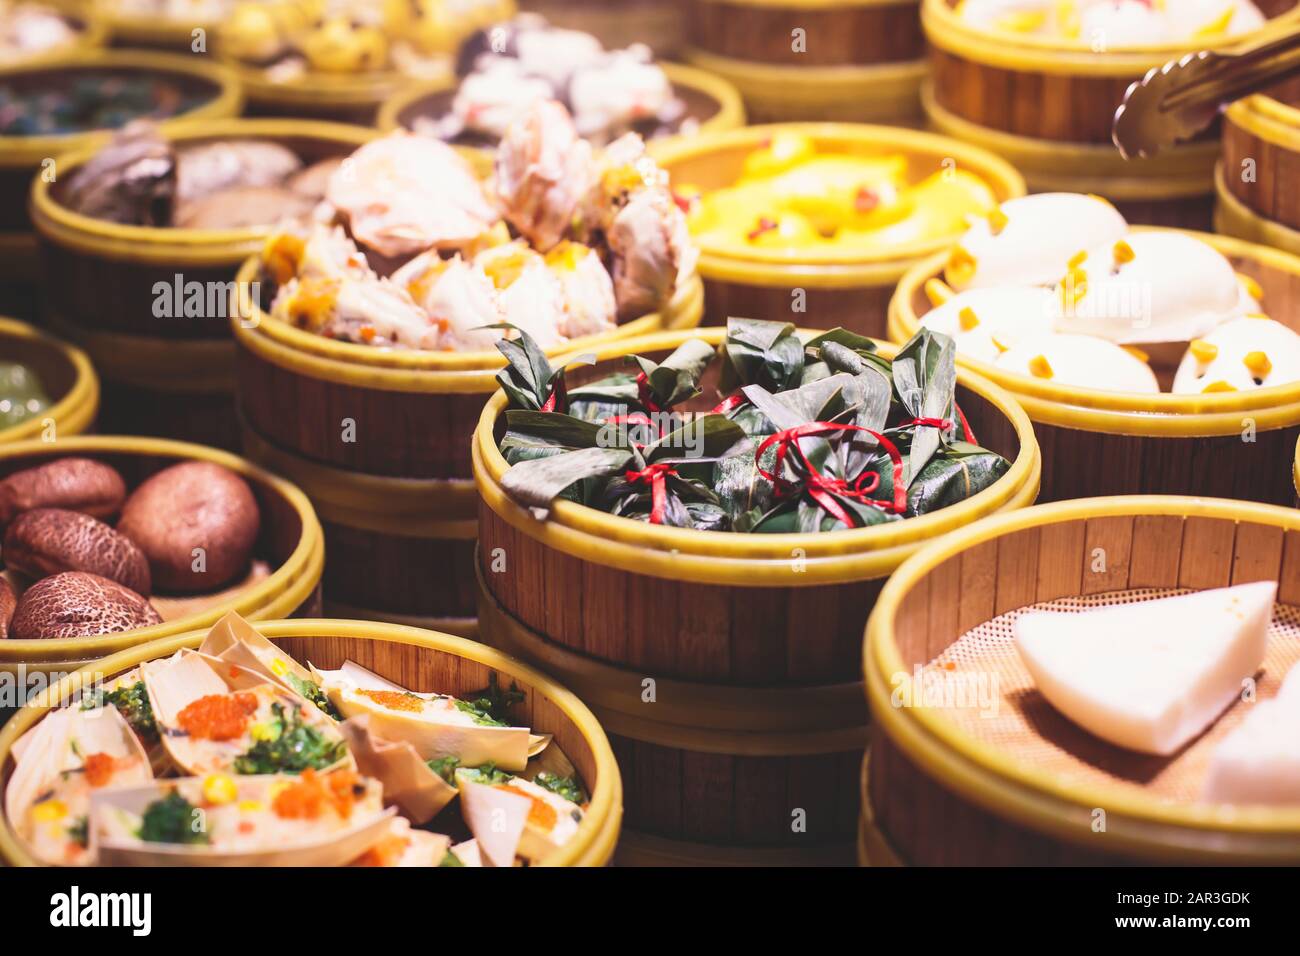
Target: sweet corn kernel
(967, 318)
(997, 220)
(279, 668)
(266, 732)
(1258, 364)
(1023, 21)
(997, 344)
(1123, 253)
(49, 811)
(1220, 386)
(1218, 25)
(961, 266)
(1076, 260)
(219, 788)
(1253, 288)
(938, 291)
(1039, 367)
(250, 806)
(1203, 351)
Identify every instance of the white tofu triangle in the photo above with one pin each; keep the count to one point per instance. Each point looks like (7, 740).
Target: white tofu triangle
(1259, 762)
(1149, 676)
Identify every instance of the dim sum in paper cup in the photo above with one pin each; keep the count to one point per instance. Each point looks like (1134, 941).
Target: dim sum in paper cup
(213, 715)
(67, 758)
(436, 725)
(222, 820)
(403, 846)
(235, 641)
(409, 782)
(511, 816)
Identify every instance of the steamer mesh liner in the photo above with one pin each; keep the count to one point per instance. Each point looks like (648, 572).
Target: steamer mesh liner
(1025, 725)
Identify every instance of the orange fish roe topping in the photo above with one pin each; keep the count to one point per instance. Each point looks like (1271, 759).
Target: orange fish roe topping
(387, 852)
(394, 699)
(217, 716)
(99, 769)
(308, 798)
(541, 814)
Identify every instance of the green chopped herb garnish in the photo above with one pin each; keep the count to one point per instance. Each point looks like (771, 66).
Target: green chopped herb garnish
(312, 691)
(488, 774)
(173, 819)
(566, 787)
(445, 767)
(493, 703)
(79, 831)
(450, 859)
(296, 747)
(133, 704)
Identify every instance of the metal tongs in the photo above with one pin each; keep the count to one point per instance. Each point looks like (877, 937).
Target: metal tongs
(1176, 101)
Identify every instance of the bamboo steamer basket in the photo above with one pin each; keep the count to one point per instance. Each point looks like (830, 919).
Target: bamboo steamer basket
(25, 157)
(399, 499)
(710, 101)
(1046, 105)
(153, 32)
(859, 60)
(340, 98)
(659, 24)
(290, 541)
(1025, 788)
(853, 294)
(750, 642)
(1113, 443)
(1261, 159)
(65, 373)
(418, 659)
(166, 376)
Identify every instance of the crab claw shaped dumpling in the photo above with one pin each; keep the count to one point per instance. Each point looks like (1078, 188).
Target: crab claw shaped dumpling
(652, 251)
(543, 170)
(403, 194)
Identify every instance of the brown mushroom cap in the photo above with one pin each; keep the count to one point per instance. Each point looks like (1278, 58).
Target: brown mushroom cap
(196, 522)
(77, 604)
(53, 540)
(77, 484)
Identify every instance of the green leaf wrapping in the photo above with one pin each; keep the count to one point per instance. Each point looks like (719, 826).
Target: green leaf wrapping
(925, 378)
(768, 354)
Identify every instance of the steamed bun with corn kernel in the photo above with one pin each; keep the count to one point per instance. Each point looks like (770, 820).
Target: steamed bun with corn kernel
(1028, 241)
(1150, 287)
(1079, 360)
(984, 323)
(1240, 355)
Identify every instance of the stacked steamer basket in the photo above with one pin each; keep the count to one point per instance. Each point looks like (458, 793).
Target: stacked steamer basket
(711, 102)
(1046, 105)
(723, 665)
(131, 25)
(418, 660)
(63, 375)
(848, 289)
(1261, 158)
(288, 554)
(998, 776)
(846, 60)
(380, 442)
(152, 305)
(1214, 441)
(659, 24)
(22, 157)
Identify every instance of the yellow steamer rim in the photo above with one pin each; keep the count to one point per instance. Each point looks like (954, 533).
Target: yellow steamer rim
(1020, 792)
(287, 588)
(748, 559)
(693, 84)
(351, 98)
(64, 369)
(1234, 218)
(593, 843)
(23, 156)
(1162, 415)
(713, 161)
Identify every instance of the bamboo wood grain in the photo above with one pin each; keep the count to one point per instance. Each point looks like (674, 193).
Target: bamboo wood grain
(862, 309)
(841, 34)
(1261, 170)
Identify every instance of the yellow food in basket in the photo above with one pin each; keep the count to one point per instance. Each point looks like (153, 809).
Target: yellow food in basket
(793, 199)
